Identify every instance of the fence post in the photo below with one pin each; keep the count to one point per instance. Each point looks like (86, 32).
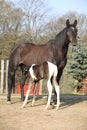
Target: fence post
(7, 62)
(2, 76)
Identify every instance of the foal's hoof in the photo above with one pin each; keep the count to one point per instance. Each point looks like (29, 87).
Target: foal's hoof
(49, 107)
(8, 102)
(57, 108)
(32, 104)
(23, 106)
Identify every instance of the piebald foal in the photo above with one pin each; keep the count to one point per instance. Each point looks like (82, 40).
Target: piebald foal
(46, 70)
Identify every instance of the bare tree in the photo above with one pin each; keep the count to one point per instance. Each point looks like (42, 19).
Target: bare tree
(35, 17)
(11, 18)
(11, 21)
(56, 24)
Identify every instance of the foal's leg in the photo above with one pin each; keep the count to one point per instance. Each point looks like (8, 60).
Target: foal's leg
(49, 86)
(34, 96)
(58, 97)
(27, 94)
(57, 92)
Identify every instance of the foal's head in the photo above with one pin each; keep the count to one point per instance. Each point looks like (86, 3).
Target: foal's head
(72, 31)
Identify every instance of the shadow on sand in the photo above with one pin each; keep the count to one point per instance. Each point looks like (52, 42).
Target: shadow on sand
(71, 99)
(66, 100)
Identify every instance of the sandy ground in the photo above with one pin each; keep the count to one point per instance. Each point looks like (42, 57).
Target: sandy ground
(72, 114)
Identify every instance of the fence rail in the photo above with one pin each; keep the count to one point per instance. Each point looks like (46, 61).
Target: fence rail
(3, 76)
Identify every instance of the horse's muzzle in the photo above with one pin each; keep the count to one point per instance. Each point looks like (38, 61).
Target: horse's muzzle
(74, 42)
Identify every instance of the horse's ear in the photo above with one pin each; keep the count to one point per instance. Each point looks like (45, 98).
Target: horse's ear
(75, 23)
(67, 23)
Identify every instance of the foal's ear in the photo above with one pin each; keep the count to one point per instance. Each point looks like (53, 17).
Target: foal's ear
(75, 23)
(67, 23)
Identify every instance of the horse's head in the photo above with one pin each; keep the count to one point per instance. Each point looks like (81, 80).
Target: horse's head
(72, 31)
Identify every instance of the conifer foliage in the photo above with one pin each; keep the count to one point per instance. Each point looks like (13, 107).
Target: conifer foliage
(78, 65)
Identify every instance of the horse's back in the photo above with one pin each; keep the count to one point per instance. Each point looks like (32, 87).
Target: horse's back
(29, 53)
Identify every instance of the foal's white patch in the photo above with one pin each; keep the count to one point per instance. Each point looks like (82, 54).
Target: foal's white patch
(32, 72)
(52, 69)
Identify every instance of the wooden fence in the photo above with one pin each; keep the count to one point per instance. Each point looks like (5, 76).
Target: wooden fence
(3, 75)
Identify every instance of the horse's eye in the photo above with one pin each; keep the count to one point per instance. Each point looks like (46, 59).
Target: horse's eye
(74, 29)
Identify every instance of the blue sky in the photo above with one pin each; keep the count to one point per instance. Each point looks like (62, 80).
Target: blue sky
(63, 6)
(60, 7)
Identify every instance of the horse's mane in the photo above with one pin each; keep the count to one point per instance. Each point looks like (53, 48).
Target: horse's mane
(59, 37)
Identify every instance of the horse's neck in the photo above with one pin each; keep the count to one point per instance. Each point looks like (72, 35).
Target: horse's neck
(62, 42)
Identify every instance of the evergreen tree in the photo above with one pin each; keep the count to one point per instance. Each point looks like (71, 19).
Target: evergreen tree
(78, 65)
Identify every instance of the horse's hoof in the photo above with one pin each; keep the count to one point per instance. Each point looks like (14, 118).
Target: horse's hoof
(8, 102)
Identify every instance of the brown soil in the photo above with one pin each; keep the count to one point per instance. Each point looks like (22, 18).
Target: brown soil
(72, 114)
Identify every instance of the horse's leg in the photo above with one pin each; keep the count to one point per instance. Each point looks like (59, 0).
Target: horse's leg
(60, 71)
(58, 96)
(56, 86)
(49, 86)
(24, 70)
(22, 82)
(27, 94)
(11, 83)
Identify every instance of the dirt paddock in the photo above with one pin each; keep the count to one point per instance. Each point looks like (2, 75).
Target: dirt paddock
(72, 114)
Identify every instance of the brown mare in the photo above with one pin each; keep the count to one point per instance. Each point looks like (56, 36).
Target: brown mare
(54, 51)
